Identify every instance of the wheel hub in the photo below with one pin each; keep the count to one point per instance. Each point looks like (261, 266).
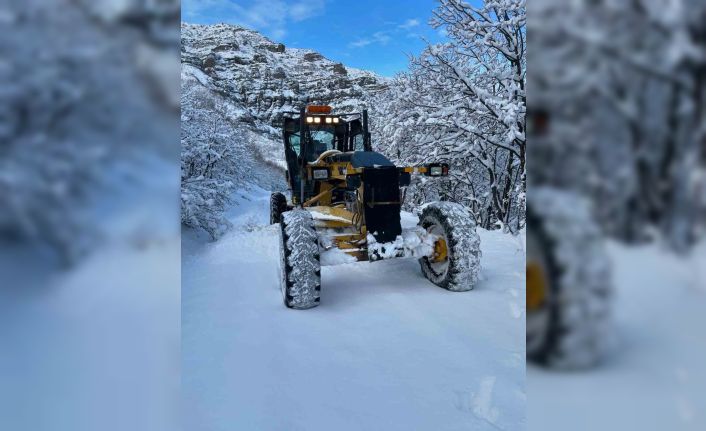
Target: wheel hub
(536, 286)
(441, 253)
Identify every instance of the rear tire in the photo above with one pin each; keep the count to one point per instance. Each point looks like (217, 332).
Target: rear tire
(572, 329)
(278, 205)
(459, 272)
(300, 272)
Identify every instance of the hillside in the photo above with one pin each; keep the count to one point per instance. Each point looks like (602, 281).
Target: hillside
(269, 78)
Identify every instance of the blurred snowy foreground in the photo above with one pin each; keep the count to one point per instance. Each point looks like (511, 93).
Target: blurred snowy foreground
(96, 346)
(385, 350)
(655, 378)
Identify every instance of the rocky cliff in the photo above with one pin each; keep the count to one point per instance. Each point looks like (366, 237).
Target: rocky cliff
(267, 78)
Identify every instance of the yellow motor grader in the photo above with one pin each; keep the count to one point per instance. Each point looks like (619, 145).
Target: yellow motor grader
(345, 203)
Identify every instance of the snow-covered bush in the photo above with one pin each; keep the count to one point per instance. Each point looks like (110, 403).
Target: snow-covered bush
(212, 155)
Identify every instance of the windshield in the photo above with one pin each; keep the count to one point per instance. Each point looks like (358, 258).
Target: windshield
(322, 139)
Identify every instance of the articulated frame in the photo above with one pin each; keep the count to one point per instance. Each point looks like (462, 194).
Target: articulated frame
(345, 229)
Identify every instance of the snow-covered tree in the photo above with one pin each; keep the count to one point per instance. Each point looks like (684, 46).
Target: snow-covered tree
(211, 158)
(623, 83)
(72, 102)
(463, 102)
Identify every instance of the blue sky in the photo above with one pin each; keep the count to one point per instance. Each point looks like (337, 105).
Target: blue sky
(367, 34)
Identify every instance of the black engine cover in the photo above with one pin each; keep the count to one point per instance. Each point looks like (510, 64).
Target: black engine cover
(381, 199)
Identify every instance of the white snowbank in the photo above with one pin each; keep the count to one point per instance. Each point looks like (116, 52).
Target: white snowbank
(97, 346)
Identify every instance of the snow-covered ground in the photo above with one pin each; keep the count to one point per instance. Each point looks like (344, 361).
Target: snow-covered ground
(96, 346)
(655, 378)
(385, 350)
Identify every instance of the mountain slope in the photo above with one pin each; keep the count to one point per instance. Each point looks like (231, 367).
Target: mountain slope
(267, 78)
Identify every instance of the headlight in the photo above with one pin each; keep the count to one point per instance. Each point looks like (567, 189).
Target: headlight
(320, 174)
(317, 120)
(437, 170)
(309, 119)
(328, 120)
(335, 120)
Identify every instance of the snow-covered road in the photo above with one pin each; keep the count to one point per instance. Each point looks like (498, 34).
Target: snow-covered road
(654, 378)
(385, 350)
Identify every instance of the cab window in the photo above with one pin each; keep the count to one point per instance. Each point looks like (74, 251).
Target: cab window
(295, 143)
(358, 143)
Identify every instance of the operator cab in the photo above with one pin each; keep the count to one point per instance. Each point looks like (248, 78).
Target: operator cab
(321, 132)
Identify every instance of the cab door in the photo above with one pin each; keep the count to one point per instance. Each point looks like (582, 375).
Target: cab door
(292, 151)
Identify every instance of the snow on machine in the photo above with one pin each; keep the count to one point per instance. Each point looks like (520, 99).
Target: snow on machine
(345, 206)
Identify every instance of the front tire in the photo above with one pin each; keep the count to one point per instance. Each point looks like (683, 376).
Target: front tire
(455, 223)
(300, 272)
(568, 321)
(278, 205)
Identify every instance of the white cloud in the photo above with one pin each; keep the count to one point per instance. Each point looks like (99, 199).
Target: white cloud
(381, 37)
(360, 43)
(410, 23)
(306, 9)
(271, 17)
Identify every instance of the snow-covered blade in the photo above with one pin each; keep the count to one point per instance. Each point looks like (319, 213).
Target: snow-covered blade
(414, 242)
